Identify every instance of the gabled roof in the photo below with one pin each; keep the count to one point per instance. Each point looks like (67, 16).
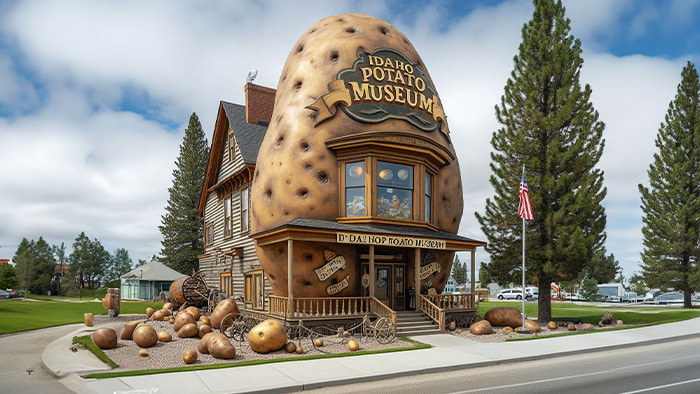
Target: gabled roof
(154, 270)
(248, 137)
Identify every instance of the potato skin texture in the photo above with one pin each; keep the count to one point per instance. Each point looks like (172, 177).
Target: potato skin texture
(105, 338)
(128, 331)
(221, 347)
(268, 336)
(223, 308)
(145, 336)
(189, 330)
(189, 356)
(297, 176)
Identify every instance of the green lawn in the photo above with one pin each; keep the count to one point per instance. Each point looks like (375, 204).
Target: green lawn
(592, 313)
(48, 312)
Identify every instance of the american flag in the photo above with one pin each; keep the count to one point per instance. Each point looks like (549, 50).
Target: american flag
(524, 207)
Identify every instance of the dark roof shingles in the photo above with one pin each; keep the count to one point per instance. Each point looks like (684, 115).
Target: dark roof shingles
(249, 136)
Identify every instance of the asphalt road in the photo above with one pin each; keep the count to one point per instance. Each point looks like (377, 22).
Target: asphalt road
(20, 361)
(671, 367)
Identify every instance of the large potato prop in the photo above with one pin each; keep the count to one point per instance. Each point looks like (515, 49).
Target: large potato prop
(203, 346)
(223, 308)
(297, 175)
(221, 347)
(504, 316)
(182, 319)
(105, 338)
(145, 336)
(532, 325)
(194, 311)
(267, 336)
(189, 330)
(128, 331)
(481, 328)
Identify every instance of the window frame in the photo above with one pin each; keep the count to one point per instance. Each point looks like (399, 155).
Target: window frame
(247, 210)
(228, 217)
(209, 234)
(226, 285)
(231, 148)
(254, 295)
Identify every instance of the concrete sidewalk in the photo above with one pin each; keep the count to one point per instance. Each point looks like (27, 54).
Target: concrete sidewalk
(448, 353)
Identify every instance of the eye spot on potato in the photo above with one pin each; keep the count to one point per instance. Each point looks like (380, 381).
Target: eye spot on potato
(289, 181)
(322, 176)
(312, 31)
(350, 30)
(308, 256)
(334, 56)
(303, 193)
(308, 166)
(268, 194)
(306, 283)
(304, 146)
(384, 30)
(300, 48)
(297, 86)
(279, 142)
(286, 213)
(341, 20)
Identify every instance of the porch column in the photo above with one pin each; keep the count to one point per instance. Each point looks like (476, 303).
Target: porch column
(290, 277)
(473, 289)
(371, 271)
(416, 274)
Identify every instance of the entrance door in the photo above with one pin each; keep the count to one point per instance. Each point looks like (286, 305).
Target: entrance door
(389, 285)
(382, 284)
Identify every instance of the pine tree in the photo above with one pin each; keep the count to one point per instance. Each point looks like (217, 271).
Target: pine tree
(182, 228)
(120, 264)
(550, 126)
(34, 262)
(459, 271)
(671, 203)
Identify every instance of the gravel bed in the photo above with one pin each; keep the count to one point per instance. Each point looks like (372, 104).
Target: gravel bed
(169, 355)
(499, 336)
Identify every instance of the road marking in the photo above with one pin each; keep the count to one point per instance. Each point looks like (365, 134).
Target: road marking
(663, 386)
(578, 376)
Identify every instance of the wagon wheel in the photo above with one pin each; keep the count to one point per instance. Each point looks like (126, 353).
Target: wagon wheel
(384, 330)
(227, 324)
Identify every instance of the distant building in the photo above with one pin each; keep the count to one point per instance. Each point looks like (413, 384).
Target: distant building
(4, 261)
(146, 282)
(450, 287)
(612, 291)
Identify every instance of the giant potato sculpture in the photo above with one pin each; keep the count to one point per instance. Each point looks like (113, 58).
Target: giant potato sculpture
(268, 336)
(223, 308)
(504, 316)
(145, 336)
(105, 338)
(297, 175)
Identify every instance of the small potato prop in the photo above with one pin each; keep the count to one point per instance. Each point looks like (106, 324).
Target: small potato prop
(353, 346)
(164, 336)
(105, 338)
(168, 306)
(189, 356)
(203, 346)
(181, 319)
(318, 342)
(222, 309)
(171, 320)
(300, 350)
(149, 312)
(189, 330)
(194, 311)
(89, 318)
(167, 312)
(571, 327)
(532, 325)
(204, 329)
(145, 336)
(158, 315)
(221, 347)
(290, 347)
(453, 326)
(205, 320)
(143, 353)
(128, 331)
(552, 325)
(268, 336)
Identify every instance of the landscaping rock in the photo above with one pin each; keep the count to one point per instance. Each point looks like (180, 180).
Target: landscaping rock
(552, 325)
(586, 327)
(532, 325)
(507, 330)
(504, 316)
(481, 328)
(571, 327)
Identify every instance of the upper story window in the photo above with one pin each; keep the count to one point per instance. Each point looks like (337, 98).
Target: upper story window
(245, 217)
(428, 197)
(231, 148)
(209, 234)
(394, 190)
(227, 217)
(355, 189)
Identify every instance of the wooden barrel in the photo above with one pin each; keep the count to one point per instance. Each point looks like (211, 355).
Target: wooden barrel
(112, 301)
(176, 296)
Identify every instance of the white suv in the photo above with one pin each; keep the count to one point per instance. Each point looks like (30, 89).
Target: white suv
(510, 294)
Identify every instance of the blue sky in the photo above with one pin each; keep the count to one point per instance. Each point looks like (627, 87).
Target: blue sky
(95, 96)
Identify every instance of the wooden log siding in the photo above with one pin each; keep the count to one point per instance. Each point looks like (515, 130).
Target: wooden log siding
(214, 212)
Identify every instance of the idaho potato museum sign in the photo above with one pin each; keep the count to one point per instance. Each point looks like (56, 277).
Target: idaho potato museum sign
(389, 240)
(383, 85)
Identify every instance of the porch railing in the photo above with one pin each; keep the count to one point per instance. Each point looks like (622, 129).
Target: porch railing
(453, 302)
(380, 309)
(321, 307)
(433, 311)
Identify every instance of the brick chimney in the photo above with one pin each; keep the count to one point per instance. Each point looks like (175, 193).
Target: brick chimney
(259, 102)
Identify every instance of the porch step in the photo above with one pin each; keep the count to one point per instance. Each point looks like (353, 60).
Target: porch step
(415, 323)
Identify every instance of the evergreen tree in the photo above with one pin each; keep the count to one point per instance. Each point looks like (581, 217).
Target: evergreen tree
(35, 265)
(459, 271)
(8, 277)
(550, 126)
(671, 203)
(603, 268)
(62, 261)
(182, 228)
(484, 274)
(89, 262)
(120, 264)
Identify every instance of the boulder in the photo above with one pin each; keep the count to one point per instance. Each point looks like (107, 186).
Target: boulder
(105, 338)
(507, 330)
(608, 319)
(532, 325)
(552, 325)
(586, 327)
(481, 328)
(504, 316)
(571, 327)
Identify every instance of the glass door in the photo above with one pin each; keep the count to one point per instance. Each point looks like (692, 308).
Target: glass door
(382, 284)
(399, 285)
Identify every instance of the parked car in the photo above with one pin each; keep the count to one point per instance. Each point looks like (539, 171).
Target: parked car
(4, 294)
(672, 297)
(510, 294)
(12, 293)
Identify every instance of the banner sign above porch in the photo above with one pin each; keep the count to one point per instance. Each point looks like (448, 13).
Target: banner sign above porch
(383, 85)
(390, 240)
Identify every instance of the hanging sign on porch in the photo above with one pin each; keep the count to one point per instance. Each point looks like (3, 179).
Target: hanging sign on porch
(334, 289)
(333, 264)
(429, 267)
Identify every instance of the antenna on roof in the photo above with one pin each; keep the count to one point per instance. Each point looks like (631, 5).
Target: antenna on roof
(251, 75)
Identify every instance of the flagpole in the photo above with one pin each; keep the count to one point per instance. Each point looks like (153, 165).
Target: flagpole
(524, 330)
